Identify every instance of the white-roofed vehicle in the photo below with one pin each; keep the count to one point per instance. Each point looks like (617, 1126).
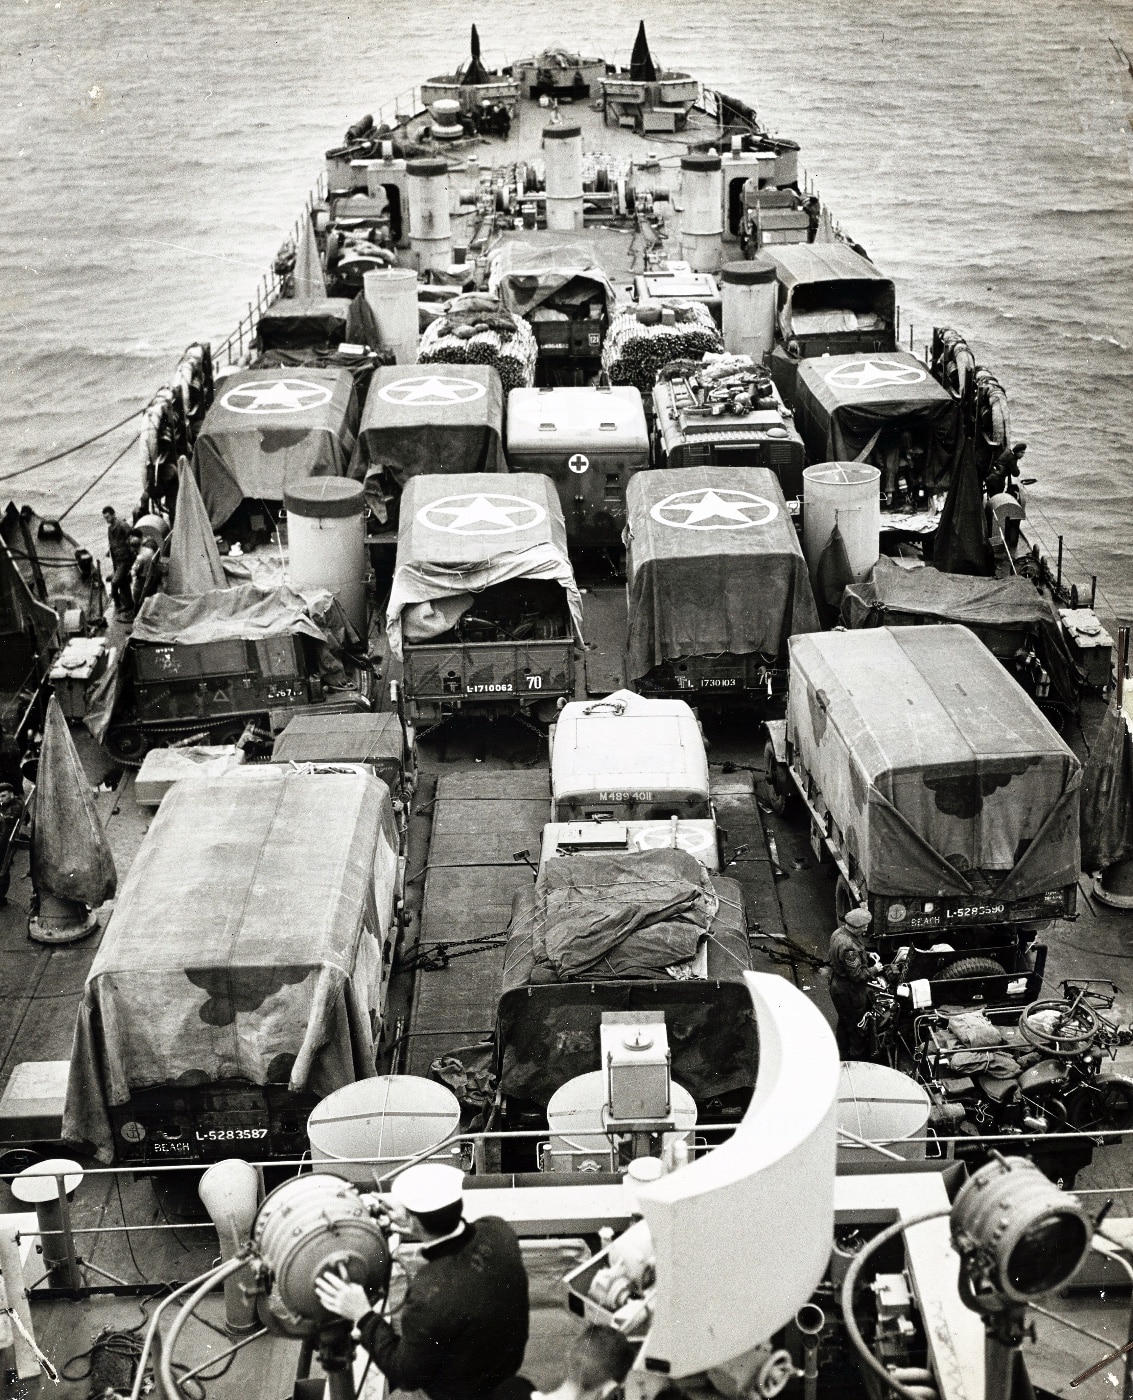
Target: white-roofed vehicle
(630, 774)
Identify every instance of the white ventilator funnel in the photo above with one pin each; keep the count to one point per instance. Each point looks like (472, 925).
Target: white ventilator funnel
(230, 1191)
(754, 1218)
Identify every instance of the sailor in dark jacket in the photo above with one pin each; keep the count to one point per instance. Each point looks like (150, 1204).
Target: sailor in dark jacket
(852, 968)
(465, 1316)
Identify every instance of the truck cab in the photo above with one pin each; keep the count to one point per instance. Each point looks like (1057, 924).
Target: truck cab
(630, 774)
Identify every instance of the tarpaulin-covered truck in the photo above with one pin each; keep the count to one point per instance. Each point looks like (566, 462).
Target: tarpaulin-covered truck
(830, 301)
(217, 1013)
(629, 773)
(636, 931)
(946, 800)
(428, 419)
(1009, 615)
(884, 410)
(717, 583)
(266, 429)
(215, 663)
(484, 611)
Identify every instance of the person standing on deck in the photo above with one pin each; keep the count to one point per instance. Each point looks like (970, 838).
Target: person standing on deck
(464, 1321)
(121, 562)
(852, 968)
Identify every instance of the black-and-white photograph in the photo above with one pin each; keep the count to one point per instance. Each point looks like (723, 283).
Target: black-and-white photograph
(566, 700)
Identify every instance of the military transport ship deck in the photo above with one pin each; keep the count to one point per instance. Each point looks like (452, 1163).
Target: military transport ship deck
(483, 796)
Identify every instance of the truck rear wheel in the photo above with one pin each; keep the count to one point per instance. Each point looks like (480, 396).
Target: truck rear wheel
(844, 899)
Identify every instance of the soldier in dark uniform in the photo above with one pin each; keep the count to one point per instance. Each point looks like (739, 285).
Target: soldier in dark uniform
(465, 1316)
(851, 971)
(121, 561)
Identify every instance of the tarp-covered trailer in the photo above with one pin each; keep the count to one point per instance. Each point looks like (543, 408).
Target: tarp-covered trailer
(378, 740)
(638, 931)
(1009, 615)
(484, 610)
(429, 419)
(214, 663)
(266, 429)
(947, 801)
(717, 584)
(886, 411)
(243, 974)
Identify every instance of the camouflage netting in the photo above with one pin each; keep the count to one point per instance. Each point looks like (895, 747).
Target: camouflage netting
(476, 330)
(633, 352)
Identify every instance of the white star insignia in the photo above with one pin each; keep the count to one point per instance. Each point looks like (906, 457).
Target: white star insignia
(280, 396)
(496, 515)
(869, 374)
(699, 507)
(432, 389)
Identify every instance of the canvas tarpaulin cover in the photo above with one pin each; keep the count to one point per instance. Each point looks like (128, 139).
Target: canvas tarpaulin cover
(293, 323)
(596, 933)
(530, 273)
(941, 773)
(194, 560)
(1107, 793)
(243, 611)
(713, 565)
(893, 596)
(431, 418)
(269, 427)
(855, 407)
(247, 943)
(828, 286)
(21, 611)
(465, 533)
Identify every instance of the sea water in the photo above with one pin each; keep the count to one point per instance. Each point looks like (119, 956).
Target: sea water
(155, 153)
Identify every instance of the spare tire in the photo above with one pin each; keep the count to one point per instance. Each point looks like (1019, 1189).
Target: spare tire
(969, 967)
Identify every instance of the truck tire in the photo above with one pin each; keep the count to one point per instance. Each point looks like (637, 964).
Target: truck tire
(970, 967)
(844, 899)
(777, 781)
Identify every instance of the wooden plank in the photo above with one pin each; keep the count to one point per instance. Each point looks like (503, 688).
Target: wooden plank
(486, 785)
(467, 901)
(454, 1007)
(604, 626)
(469, 832)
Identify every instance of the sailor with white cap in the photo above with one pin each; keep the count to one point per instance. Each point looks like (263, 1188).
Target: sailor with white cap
(465, 1316)
(852, 968)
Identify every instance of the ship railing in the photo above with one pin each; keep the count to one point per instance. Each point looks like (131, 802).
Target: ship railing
(704, 1134)
(239, 341)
